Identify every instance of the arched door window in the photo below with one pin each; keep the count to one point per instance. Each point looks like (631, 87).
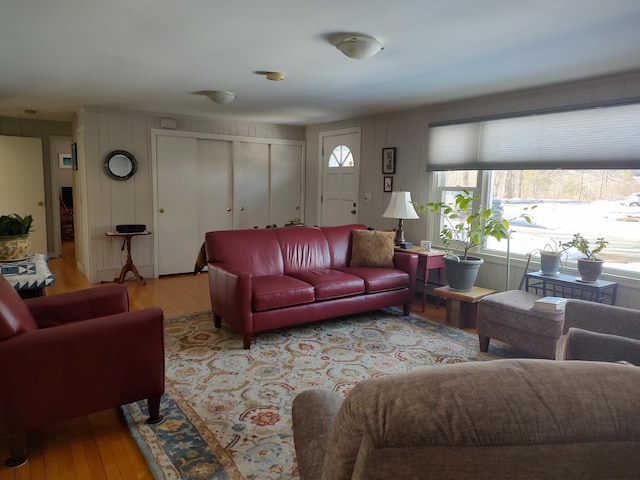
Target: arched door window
(341, 157)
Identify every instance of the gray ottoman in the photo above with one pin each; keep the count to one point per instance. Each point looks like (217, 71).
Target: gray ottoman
(508, 317)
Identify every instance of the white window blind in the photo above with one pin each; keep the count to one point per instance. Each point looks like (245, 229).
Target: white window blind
(603, 137)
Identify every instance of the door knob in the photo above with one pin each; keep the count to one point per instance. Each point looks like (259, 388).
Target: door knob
(228, 209)
(242, 209)
(353, 211)
(40, 204)
(162, 210)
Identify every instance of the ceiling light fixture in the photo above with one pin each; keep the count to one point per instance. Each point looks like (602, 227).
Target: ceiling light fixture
(275, 76)
(359, 46)
(220, 97)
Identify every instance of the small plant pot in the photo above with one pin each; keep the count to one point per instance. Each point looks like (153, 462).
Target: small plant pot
(14, 249)
(549, 263)
(462, 274)
(590, 270)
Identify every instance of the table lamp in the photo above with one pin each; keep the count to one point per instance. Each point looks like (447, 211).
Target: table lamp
(400, 207)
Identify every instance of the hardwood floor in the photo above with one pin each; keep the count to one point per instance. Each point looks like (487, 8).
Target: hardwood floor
(99, 446)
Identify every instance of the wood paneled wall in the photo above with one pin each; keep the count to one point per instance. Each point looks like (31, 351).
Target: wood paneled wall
(111, 202)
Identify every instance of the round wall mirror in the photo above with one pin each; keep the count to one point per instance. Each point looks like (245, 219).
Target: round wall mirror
(120, 165)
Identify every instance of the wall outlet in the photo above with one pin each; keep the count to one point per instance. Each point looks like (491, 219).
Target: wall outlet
(367, 198)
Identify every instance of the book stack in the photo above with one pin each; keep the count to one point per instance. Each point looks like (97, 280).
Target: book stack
(550, 304)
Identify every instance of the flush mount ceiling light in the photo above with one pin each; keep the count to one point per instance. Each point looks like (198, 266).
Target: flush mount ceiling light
(221, 97)
(359, 46)
(275, 76)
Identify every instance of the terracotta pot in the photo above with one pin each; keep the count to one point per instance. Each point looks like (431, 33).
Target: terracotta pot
(590, 270)
(14, 249)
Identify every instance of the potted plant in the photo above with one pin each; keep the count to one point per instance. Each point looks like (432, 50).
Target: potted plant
(589, 266)
(467, 228)
(14, 230)
(551, 257)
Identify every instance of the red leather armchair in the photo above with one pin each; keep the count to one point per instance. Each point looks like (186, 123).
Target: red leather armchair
(73, 354)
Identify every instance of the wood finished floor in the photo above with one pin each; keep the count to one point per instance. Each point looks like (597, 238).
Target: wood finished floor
(99, 446)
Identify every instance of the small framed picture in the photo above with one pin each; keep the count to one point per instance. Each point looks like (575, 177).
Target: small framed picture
(65, 160)
(389, 160)
(388, 184)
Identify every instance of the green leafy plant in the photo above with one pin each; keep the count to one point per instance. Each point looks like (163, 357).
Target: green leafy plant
(464, 225)
(583, 246)
(13, 225)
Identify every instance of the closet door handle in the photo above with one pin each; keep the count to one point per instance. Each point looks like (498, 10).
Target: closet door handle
(242, 209)
(228, 209)
(162, 210)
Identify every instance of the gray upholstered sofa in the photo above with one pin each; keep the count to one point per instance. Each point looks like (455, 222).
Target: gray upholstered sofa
(501, 419)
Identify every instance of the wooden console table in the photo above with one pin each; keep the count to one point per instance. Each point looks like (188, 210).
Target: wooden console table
(128, 266)
(570, 286)
(427, 261)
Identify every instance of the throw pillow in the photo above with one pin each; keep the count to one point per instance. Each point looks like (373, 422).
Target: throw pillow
(372, 248)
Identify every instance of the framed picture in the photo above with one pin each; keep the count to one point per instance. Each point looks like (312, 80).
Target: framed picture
(389, 160)
(65, 160)
(74, 156)
(388, 184)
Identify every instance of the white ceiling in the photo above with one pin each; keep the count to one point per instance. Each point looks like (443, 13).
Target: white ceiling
(155, 55)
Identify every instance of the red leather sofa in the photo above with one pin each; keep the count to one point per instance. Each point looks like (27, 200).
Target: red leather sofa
(69, 355)
(260, 280)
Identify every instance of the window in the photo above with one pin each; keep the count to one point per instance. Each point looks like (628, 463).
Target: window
(595, 203)
(341, 157)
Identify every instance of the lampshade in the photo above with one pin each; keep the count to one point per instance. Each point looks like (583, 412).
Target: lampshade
(400, 206)
(220, 97)
(359, 46)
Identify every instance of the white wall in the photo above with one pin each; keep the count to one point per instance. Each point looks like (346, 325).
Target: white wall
(408, 132)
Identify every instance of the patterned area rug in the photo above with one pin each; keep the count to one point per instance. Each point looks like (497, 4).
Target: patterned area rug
(228, 410)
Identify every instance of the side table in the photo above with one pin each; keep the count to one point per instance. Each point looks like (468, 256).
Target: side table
(427, 260)
(462, 307)
(30, 276)
(128, 266)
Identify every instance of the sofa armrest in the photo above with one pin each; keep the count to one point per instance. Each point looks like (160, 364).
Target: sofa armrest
(49, 311)
(313, 412)
(230, 291)
(597, 317)
(580, 344)
(407, 262)
(81, 367)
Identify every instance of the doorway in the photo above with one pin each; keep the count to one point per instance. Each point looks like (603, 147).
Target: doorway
(340, 157)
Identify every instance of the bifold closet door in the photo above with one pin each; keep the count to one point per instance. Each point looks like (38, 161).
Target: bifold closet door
(250, 185)
(177, 229)
(285, 188)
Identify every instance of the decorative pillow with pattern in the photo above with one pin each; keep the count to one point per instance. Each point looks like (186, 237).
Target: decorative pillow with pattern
(372, 248)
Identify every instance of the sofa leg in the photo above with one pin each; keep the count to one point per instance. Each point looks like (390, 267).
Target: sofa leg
(484, 342)
(17, 450)
(246, 341)
(217, 321)
(406, 309)
(153, 403)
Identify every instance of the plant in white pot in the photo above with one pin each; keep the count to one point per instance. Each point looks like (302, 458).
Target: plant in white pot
(467, 227)
(589, 266)
(14, 232)
(551, 257)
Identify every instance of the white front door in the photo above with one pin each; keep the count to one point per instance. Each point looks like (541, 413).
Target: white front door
(340, 177)
(22, 185)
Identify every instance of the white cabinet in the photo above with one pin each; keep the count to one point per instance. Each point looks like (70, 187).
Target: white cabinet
(220, 182)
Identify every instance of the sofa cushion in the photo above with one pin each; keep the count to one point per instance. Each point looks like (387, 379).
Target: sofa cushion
(15, 316)
(239, 248)
(379, 279)
(279, 291)
(330, 284)
(372, 248)
(303, 248)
